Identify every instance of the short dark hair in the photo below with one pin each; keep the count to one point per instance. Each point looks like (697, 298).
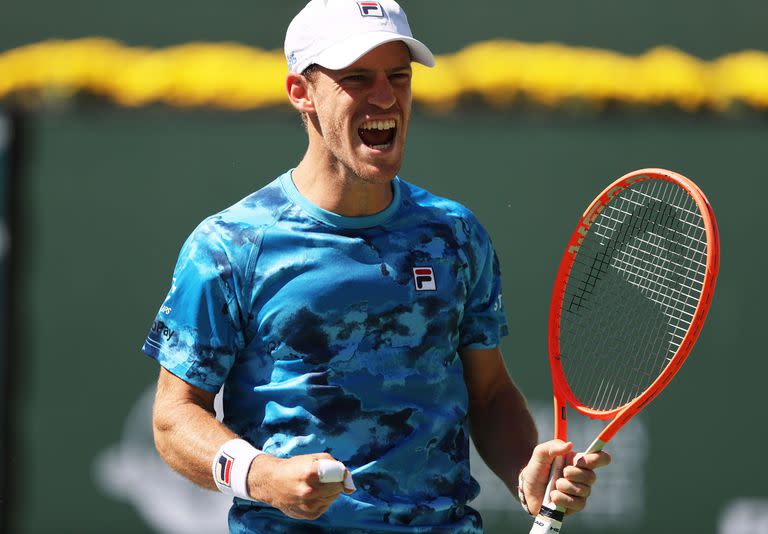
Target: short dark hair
(311, 72)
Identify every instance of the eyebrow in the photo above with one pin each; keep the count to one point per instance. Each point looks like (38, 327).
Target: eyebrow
(361, 70)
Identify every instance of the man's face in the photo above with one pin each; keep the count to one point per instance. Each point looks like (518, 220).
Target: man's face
(363, 111)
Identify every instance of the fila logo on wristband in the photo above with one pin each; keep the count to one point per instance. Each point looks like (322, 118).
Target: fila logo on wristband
(224, 470)
(230, 466)
(424, 278)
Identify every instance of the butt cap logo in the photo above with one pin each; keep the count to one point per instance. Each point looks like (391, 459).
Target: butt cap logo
(424, 278)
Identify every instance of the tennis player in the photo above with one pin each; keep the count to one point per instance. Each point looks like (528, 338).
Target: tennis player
(352, 318)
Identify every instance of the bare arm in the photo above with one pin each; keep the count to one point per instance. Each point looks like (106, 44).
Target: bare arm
(505, 436)
(188, 436)
(501, 426)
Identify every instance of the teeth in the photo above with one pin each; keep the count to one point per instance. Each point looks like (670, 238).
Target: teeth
(379, 125)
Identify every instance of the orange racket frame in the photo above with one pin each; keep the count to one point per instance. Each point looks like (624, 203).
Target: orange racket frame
(549, 518)
(562, 392)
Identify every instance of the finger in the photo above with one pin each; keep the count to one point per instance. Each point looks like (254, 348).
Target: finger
(309, 511)
(592, 460)
(579, 475)
(330, 470)
(327, 497)
(569, 502)
(349, 484)
(572, 488)
(327, 491)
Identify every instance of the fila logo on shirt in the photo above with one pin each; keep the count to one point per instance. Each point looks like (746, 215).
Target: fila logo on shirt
(424, 278)
(224, 469)
(370, 9)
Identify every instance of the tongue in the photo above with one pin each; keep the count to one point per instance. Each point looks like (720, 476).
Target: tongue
(376, 137)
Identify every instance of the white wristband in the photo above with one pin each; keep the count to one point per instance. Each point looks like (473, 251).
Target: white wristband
(230, 467)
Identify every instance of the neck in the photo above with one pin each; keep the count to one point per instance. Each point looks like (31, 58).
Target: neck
(332, 186)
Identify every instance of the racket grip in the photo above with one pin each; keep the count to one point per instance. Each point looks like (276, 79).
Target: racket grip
(547, 521)
(550, 517)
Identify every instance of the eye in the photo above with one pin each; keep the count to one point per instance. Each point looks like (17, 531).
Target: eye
(400, 77)
(353, 78)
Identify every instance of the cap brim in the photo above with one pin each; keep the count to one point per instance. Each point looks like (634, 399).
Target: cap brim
(343, 54)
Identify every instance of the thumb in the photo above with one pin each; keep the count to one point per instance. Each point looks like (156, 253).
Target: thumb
(541, 460)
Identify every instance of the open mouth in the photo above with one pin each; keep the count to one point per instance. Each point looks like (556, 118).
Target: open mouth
(378, 135)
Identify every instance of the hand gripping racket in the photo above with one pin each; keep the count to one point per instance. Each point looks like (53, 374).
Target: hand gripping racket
(631, 294)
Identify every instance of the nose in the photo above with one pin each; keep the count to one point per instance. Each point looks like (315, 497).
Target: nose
(382, 94)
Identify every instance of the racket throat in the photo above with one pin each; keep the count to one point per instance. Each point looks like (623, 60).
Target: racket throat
(595, 446)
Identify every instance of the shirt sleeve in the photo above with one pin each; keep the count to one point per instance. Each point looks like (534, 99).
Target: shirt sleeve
(197, 332)
(484, 322)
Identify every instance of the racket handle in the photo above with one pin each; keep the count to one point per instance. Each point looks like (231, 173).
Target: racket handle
(550, 517)
(545, 525)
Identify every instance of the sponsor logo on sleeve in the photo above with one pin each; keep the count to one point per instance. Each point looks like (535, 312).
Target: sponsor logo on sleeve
(160, 328)
(165, 308)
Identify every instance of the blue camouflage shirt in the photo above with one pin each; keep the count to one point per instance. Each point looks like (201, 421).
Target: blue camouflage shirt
(340, 334)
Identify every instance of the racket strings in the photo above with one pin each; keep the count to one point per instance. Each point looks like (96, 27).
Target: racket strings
(656, 282)
(656, 215)
(632, 293)
(606, 389)
(644, 221)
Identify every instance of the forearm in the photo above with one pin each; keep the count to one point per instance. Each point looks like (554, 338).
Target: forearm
(504, 432)
(187, 436)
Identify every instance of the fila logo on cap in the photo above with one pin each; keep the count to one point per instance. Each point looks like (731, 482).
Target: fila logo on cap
(224, 469)
(424, 278)
(370, 9)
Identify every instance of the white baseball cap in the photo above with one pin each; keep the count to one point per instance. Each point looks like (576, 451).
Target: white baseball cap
(336, 33)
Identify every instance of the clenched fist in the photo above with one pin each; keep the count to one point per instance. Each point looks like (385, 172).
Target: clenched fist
(292, 485)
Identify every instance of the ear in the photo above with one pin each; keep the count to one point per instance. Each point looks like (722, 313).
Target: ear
(299, 92)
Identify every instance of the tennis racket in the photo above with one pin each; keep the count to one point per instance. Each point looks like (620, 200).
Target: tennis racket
(631, 295)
